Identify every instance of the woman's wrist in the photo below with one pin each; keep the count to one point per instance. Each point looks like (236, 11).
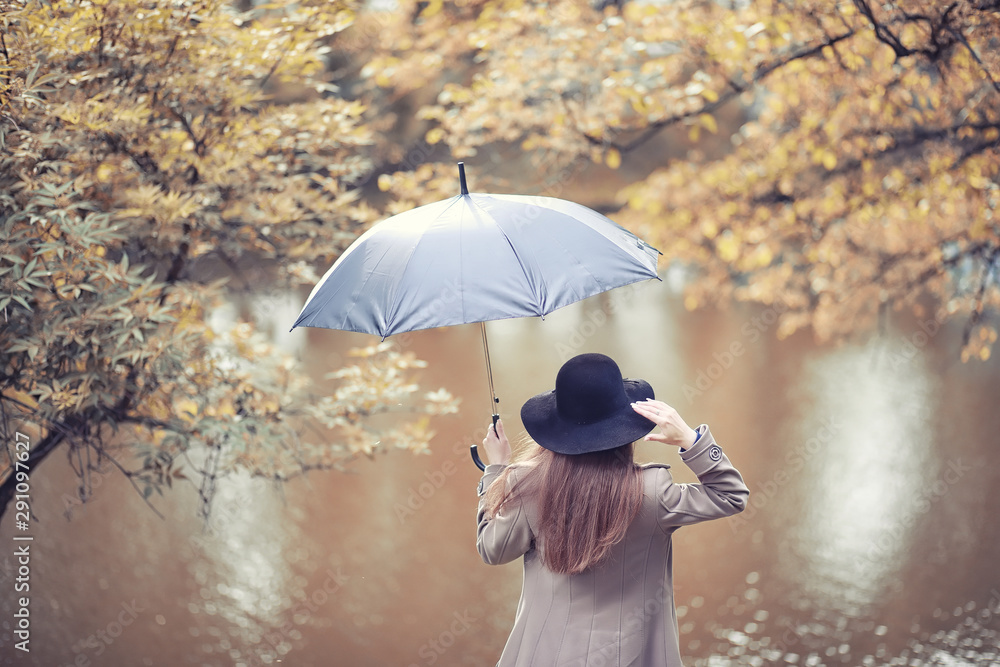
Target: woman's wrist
(691, 440)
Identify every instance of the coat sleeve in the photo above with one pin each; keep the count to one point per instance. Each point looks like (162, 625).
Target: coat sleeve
(720, 493)
(507, 536)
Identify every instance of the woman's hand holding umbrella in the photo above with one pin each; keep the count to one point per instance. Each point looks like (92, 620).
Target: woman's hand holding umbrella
(496, 444)
(673, 429)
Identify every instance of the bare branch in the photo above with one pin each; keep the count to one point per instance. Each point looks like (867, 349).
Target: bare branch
(128, 475)
(736, 88)
(975, 56)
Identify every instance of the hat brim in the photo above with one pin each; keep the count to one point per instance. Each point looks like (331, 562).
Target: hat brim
(546, 427)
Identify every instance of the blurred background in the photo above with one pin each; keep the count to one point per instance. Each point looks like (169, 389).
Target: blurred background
(205, 487)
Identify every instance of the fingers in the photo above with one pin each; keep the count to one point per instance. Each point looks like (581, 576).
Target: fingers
(657, 412)
(673, 429)
(645, 410)
(495, 443)
(495, 432)
(491, 434)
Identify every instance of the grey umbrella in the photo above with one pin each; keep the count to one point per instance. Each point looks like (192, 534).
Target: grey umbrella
(472, 258)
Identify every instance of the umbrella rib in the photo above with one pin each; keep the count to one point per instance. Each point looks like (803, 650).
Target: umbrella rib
(554, 240)
(393, 302)
(524, 271)
(355, 293)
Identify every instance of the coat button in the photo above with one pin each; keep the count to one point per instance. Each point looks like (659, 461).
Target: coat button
(715, 453)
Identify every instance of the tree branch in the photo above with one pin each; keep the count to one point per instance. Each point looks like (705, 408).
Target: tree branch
(887, 37)
(736, 89)
(38, 453)
(199, 143)
(977, 311)
(128, 475)
(975, 56)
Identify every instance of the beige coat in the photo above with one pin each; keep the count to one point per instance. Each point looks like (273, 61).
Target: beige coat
(621, 612)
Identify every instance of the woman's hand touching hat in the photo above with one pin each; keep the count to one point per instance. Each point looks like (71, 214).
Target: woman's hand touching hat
(673, 429)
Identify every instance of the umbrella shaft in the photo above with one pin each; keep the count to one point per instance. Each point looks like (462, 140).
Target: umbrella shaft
(489, 376)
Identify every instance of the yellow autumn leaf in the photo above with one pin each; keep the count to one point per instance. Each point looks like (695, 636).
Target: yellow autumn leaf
(763, 256)
(104, 173)
(638, 104)
(728, 247)
(300, 249)
(23, 397)
(709, 229)
(186, 409)
(979, 182)
(613, 158)
(433, 8)
(434, 135)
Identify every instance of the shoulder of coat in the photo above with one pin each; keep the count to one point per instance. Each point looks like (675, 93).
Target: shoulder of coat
(647, 466)
(520, 470)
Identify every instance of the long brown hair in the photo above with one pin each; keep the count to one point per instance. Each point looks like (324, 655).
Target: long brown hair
(586, 502)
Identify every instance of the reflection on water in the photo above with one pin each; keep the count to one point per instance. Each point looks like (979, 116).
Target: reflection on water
(969, 637)
(866, 460)
(243, 573)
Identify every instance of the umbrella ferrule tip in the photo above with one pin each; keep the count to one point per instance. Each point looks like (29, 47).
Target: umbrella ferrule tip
(461, 178)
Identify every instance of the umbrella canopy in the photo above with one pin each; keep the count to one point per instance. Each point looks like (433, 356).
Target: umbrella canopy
(474, 258)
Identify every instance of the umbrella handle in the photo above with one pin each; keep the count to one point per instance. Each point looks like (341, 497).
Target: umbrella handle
(475, 457)
(474, 450)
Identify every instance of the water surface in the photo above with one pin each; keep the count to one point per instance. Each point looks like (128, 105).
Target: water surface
(871, 539)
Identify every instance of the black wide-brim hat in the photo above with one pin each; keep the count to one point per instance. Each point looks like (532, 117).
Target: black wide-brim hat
(590, 410)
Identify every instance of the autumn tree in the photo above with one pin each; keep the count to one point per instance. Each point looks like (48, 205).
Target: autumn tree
(155, 156)
(160, 158)
(840, 156)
